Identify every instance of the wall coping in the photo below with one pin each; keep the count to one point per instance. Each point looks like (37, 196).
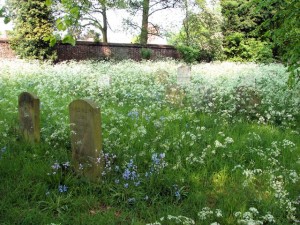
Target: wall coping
(91, 43)
(3, 40)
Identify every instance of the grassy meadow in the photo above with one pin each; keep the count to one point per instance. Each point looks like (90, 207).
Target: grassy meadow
(223, 150)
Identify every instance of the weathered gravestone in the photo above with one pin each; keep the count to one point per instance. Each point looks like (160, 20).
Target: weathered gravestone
(105, 81)
(161, 76)
(175, 95)
(247, 98)
(184, 75)
(86, 138)
(29, 117)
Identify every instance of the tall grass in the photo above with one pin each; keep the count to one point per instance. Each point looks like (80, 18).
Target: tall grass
(225, 152)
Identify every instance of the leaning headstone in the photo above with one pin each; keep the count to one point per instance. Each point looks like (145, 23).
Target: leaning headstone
(175, 95)
(184, 75)
(161, 76)
(86, 138)
(29, 117)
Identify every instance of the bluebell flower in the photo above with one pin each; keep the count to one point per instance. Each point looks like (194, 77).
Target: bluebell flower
(155, 159)
(117, 181)
(126, 174)
(126, 185)
(177, 191)
(133, 175)
(137, 183)
(130, 164)
(177, 194)
(55, 166)
(133, 114)
(62, 188)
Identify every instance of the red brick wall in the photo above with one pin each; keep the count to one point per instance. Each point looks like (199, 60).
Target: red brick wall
(5, 50)
(91, 50)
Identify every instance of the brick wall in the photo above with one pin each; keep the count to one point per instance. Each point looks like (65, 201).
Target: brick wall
(91, 50)
(5, 50)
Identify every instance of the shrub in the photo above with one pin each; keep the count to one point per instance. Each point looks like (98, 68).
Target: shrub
(146, 53)
(240, 48)
(189, 54)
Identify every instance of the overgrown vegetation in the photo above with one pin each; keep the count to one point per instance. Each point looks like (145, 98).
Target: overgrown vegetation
(226, 153)
(146, 53)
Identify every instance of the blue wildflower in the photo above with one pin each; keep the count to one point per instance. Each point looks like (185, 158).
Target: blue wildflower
(126, 174)
(177, 194)
(62, 188)
(133, 114)
(55, 166)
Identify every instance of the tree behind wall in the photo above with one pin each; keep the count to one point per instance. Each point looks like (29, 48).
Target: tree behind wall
(200, 38)
(148, 8)
(33, 23)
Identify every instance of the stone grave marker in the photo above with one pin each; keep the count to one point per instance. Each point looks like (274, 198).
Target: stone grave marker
(105, 81)
(247, 98)
(29, 116)
(184, 75)
(161, 76)
(86, 138)
(175, 95)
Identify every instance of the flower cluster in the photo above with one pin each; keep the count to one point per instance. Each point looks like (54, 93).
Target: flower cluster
(58, 175)
(252, 217)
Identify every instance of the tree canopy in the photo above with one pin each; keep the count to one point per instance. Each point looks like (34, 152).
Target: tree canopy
(33, 22)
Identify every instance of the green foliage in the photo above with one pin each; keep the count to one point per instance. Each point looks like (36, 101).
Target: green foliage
(201, 31)
(136, 39)
(33, 24)
(146, 53)
(239, 48)
(242, 40)
(188, 53)
(284, 32)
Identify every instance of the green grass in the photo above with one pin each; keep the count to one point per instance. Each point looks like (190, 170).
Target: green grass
(213, 158)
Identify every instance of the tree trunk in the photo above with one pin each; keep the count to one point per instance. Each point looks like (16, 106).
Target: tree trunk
(186, 24)
(104, 30)
(144, 31)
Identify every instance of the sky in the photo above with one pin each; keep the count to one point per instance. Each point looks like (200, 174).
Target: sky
(169, 19)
